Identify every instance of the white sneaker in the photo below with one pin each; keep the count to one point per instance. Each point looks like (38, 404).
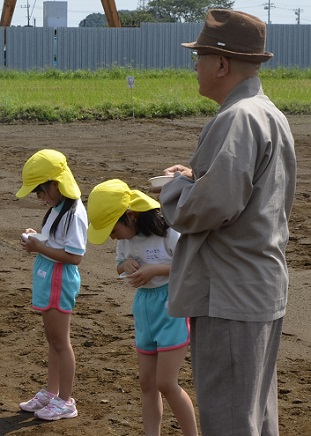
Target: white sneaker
(40, 400)
(58, 409)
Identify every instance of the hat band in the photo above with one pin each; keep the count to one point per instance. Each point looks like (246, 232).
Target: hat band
(233, 46)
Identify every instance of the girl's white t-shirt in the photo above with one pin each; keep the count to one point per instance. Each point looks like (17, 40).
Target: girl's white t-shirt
(74, 241)
(149, 250)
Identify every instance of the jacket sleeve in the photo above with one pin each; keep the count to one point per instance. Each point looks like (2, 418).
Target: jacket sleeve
(219, 195)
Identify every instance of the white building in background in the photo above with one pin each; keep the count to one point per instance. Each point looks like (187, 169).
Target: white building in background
(54, 14)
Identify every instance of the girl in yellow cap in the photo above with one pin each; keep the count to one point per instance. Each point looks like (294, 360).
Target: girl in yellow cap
(56, 279)
(144, 253)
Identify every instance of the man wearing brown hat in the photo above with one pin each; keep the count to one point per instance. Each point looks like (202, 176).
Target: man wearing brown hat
(232, 207)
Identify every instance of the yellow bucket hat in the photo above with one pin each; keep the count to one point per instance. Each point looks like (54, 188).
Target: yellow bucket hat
(46, 165)
(107, 202)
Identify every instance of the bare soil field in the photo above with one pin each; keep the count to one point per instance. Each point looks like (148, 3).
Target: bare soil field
(106, 384)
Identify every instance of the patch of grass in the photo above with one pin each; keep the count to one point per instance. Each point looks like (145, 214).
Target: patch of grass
(54, 95)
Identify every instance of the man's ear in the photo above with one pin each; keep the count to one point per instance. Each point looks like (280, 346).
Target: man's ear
(223, 66)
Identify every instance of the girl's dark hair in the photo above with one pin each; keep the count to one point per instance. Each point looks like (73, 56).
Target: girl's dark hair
(69, 205)
(148, 223)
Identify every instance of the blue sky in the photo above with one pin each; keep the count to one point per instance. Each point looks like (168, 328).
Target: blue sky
(281, 11)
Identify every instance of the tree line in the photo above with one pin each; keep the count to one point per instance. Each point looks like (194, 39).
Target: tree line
(160, 11)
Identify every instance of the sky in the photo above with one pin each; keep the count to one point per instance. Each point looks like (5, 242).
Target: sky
(281, 11)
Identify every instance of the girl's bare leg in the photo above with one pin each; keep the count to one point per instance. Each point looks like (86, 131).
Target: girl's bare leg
(61, 367)
(152, 407)
(158, 375)
(168, 366)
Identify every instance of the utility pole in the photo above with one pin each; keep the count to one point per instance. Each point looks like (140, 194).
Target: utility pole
(297, 13)
(268, 7)
(28, 15)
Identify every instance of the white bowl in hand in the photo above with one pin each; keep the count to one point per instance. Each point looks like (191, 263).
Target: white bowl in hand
(159, 181)
(38, 236)
(124, 276)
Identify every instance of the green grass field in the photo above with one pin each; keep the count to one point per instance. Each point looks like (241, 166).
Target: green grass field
(83, 95)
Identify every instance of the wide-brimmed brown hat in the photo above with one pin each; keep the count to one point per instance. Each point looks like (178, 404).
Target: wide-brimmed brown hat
(234, 34)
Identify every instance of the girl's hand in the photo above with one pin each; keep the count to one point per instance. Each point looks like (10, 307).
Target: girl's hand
(23, 240)
(143, 275)
(29, 230)
(130, 266)
(146, 272)
(31, 245)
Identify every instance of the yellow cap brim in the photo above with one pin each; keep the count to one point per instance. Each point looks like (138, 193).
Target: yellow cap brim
(100, 236)
(25, 190)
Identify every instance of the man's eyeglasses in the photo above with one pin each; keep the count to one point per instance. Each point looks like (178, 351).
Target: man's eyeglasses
(195, 56)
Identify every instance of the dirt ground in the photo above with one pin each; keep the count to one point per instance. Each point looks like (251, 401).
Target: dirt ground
(106, 384)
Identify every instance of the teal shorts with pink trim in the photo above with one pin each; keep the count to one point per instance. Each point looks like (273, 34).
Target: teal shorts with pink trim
(55, 285)
(155, 329)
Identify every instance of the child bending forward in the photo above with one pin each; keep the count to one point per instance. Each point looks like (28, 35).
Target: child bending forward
(144, 253)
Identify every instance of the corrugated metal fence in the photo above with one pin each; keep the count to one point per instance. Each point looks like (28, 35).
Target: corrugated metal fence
(153, 45)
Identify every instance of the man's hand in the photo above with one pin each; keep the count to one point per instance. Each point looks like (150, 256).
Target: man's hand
(184, 171)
